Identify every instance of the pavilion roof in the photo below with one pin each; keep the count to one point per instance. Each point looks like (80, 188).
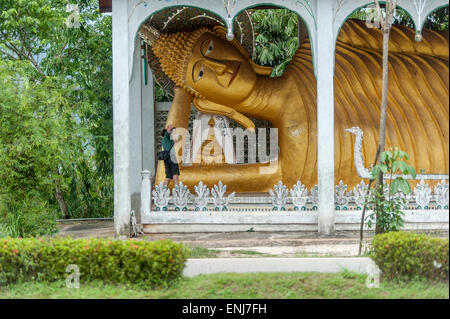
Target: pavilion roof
(105, 5)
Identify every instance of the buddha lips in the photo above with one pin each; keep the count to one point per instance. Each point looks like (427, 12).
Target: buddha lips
(235, 73)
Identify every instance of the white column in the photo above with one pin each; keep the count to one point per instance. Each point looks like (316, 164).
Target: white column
(146, 198)
(121, 119)
(325, 115)
(135, 91)
(148, 122)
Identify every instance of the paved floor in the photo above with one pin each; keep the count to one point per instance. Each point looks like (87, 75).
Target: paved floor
(205, 266)
(78, 229)
(254, 244)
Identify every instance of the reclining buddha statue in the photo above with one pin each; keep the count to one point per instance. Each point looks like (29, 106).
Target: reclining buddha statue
(218, 77)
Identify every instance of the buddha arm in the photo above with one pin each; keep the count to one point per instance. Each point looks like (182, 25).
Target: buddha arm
(180, 109)
(237, 177)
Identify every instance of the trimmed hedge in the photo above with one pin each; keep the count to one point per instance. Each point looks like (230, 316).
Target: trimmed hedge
(111, 261)
(408, 255)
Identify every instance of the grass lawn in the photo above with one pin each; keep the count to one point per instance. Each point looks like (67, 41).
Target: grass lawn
(252, 286)
(201, 252)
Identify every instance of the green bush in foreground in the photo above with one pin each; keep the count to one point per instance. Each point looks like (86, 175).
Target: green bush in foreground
(407, 255)
(112, 261)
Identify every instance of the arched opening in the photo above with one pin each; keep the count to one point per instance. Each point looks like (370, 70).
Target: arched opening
(368, 13)
(417, 110)
(437, 19)
(269, 34)
(171, 20)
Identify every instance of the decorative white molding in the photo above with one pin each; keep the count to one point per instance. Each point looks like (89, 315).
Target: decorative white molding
(420, 6)
(360, 192)
(441, 193)
(161, 196)
(315, 195)
(296, 199)
(299, 195)
(181, 196)
(201, 200)
(279, 195)
(229, 5)
(220, 201)
(342, 197)
(422, 194)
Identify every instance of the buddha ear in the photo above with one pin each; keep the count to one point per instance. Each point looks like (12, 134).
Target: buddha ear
(260, 70)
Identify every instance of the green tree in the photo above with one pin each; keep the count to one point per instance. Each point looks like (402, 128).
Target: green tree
(78, 63)
(276, 38)
(36, 138)
(388, 200)
(437, 20)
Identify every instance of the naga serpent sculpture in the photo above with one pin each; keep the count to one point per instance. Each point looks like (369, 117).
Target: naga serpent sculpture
(363, 172)
(218, 77)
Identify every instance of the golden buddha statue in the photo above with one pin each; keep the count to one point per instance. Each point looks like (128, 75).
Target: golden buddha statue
(210, 152)
(218, 77)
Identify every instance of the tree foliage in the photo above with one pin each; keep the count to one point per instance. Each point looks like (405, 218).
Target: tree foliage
(56, 108)
(437, 20)
(388, 200)
(276, 38)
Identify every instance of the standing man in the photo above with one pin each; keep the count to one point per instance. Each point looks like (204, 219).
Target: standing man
(171, 163)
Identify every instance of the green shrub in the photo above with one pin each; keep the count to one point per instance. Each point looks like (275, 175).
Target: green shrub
(31, 222)
(27, 217)
(407, 255)
(112, 261)
(5, 230)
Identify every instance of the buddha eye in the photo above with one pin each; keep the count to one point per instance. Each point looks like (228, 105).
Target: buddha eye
(200, 73)
(210, 47)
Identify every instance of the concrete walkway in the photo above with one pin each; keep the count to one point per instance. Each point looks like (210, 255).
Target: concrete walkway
(244, 244)
(205, 266)
(229, 244)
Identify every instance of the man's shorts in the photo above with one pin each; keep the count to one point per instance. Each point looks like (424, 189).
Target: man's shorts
(171, 168)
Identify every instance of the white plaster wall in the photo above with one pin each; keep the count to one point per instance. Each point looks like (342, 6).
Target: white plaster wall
(212, 221)
(121, 119)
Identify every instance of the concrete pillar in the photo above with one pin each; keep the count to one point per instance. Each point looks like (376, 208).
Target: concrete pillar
(121, 119)
(146, 198)
(148, 122)
(325, 115)
(135, 92)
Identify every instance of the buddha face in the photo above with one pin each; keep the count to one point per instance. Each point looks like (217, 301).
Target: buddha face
(219, 72)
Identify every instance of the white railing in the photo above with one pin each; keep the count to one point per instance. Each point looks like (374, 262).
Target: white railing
(279, 198)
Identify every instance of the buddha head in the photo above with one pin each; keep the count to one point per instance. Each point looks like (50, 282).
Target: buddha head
(217, 72)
